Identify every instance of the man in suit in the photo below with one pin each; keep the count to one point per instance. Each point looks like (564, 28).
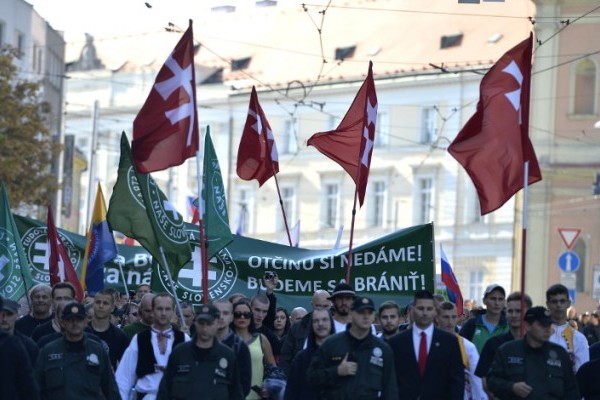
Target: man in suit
(428, 360)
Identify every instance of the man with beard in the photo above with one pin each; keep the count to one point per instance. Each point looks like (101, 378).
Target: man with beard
(354, 364)
(234, 342)
(72, 366)
(342, 297)
(41, 303)
(389, 318)
(297, 387)
(296, 337)
(144, 362)
(533, 367)
(104, 304)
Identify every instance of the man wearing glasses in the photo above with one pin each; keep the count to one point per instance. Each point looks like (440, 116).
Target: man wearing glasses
(557, 301)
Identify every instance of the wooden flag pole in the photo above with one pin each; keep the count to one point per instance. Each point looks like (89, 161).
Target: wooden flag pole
(524, 244)
(119, 262)
(172, 283)
(348, 269)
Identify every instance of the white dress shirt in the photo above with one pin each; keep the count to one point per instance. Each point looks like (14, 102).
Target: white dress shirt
(126, 377)
(416, 334)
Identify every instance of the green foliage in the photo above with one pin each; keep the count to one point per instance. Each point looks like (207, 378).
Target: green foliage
(27, 147)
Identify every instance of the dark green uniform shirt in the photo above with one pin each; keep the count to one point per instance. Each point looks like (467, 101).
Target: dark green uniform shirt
(546, 369)
(375, 377)
(75, 370)
(201, 374)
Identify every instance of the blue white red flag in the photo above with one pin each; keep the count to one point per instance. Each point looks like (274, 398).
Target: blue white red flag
(452, 288)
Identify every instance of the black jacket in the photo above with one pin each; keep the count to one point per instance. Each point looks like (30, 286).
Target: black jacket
(16, 380)
(548, 370)
(374, 379)
(215, 377)
(294, 342)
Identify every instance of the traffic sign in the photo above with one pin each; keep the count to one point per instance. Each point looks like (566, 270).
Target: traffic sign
(568, 236)
(568, 261)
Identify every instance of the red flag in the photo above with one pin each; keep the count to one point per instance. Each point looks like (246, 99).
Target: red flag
(165, 131)
(61, 268)
(351, 144)
(257, 154)
(494, 144)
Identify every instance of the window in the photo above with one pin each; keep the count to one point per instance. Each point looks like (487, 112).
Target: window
(244, 205)
(429, 117)
(377, 203)
(453, 40)
(341, 53)
(475, 284)
(585, 88)
(424, 201)
(472, 207)
(334, 122)
(20, 45)
(288, 197)
(2, 33)
(382, 129)
(290, 145)
(331, 204)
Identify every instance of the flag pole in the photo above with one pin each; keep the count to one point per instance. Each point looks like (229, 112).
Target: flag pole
(287, 228)
(351, 236)
(524, 242)
(202, 239)
(120, 264)
(177, 304)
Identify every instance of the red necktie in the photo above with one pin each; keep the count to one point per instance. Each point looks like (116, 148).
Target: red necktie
(423, 354)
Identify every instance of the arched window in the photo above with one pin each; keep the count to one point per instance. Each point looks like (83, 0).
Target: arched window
(580, 248)
(584, 101)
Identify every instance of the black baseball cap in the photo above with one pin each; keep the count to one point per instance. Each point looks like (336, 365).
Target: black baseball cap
(11, 306)
(539, 314)
(207, 312)
(362, 303)
(342, 289)
(73, 310)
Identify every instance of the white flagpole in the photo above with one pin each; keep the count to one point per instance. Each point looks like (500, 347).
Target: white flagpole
(524, 241)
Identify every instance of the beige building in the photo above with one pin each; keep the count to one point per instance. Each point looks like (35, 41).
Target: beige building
(565, 108)
(429, 57)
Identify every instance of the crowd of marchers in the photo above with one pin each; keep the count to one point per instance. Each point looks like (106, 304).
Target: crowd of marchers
(147, 346)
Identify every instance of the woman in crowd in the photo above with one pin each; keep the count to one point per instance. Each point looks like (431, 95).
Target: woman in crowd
(281, 323)
(261, 353)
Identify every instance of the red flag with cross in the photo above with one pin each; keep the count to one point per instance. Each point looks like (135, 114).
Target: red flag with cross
(351, 143)
(165, 131)
(494, 144)
(257, 154)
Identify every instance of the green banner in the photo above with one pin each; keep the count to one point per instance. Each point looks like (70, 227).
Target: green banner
(391, 267)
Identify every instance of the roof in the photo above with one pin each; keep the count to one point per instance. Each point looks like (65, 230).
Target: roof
(283, 43)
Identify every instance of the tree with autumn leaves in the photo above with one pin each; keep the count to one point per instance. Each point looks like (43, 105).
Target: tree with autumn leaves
(27, 147)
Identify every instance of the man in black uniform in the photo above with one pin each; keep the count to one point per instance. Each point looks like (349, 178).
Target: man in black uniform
(532, 367)
(74, 367)
(355, 364)
(10, 310)
(41, 304)
(202, 369)
(116, 339)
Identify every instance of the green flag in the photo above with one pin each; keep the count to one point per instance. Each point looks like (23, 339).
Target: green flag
(214, 210)
(15, 273)
(140, 210)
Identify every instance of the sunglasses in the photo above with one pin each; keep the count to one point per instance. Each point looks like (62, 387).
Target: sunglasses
(245, 315)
